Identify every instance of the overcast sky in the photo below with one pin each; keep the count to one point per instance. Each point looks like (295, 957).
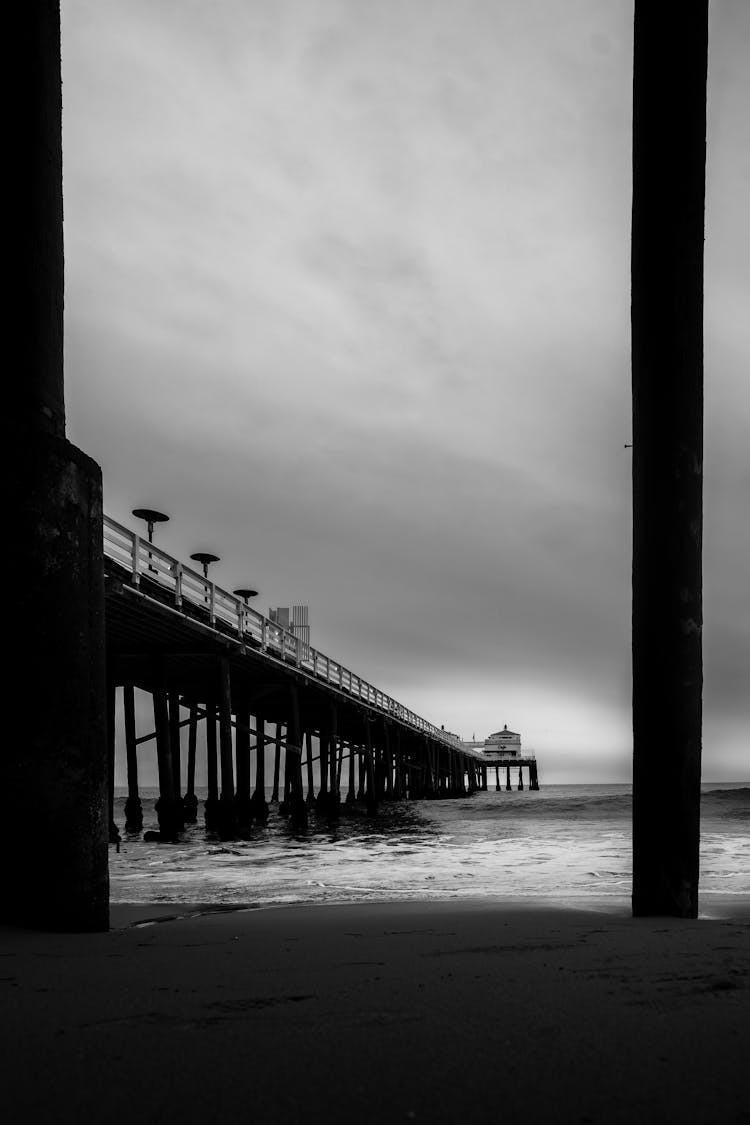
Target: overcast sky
(347, 295)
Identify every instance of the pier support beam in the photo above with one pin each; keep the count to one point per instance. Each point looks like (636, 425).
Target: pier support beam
(309, 762)
(175, 739)
(190, 801)
(169, 820)
(508, 786)
(227, 816)
(322, 798)
(259, 802)
(398, 781)
(669, 130)
(296, 799)
(114, 832)
(243, 804)
(334, 797)
(276, 764)
(351, 795)
(53, 770)
(133, 807)
(371, 794)
(211, 804)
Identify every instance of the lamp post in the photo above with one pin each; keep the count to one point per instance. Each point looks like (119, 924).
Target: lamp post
(245, 593)
(205, 558)
(151, 516)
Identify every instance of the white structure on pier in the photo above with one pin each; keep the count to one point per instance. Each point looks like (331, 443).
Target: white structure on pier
(502, 746)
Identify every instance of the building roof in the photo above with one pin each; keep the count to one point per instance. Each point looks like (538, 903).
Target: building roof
(504, 733)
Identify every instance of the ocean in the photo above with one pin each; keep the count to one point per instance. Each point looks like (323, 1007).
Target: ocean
(563, 842)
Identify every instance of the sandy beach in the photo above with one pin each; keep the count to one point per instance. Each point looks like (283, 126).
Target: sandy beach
(499, 1011)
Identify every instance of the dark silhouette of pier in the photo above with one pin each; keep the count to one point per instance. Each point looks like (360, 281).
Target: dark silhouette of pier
(205, 656)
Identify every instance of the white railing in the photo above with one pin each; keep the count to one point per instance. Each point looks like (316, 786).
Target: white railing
(143, 559)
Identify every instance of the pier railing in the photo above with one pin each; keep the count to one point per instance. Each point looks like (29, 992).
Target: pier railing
(227, 612)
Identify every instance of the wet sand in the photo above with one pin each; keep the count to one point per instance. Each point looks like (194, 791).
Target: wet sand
(480, 1011)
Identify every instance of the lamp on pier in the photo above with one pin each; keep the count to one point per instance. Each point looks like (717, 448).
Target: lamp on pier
(245, 593)
(205, 559)
(151, 516)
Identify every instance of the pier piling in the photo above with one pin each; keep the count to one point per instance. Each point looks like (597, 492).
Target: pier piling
(669, 158)
(133, 806)
(226, 814)
(211, 804)
(190, 801)
(260, 804)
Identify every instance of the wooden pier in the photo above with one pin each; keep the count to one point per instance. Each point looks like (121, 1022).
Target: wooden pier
(206, 656)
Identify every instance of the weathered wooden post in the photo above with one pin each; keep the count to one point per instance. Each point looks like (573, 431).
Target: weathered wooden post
(243, 806)
(211, 804)
(190, 801)
(669, 151)
(288, 766)
(371, 796)
(133, 807)
(398, 788)
(323, 742)
(309, 761)
(297, 805)
(350, 796)
(508, 785)
(361, 772)
(388, 762)
(334, 797)
(260, 804)
(227, 815)
(276, 765)
(114, 833)
(169, 823)
(175, 740)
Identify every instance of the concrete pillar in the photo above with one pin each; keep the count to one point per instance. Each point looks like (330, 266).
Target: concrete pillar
(520, 777)
(507, 779)
(53, 771)
(669, 151)
(497, 777)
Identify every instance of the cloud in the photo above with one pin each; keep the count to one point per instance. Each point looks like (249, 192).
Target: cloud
(347, 294)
